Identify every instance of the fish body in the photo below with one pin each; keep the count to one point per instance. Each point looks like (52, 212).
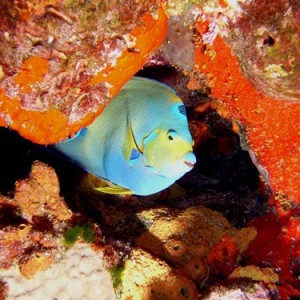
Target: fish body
(141, 142)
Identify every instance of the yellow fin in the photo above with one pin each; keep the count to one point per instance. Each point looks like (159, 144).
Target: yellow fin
(114, 189)
(130, 149)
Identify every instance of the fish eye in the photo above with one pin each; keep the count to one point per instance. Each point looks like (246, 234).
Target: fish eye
(171, 134)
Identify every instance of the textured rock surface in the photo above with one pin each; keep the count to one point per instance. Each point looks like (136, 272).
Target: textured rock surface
(237, 291)
(79, 274)
(61, 61)
(266, 111)
(33, 221)
(147, 277)
(254, 82)
(37, 232)
(265, 37)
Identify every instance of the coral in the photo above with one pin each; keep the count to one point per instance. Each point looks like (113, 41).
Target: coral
(37, 230)
(255, 273)
(36, 220)
(147, 277)
(60, 66)
(180, 33)
(224, 250)
(271, 135)
(38, 196)
(3, 290)
(195, 243)
(240, 290)
(34, 263)
(62, 61)
(265, 38)
(22, 243)
(277, 245)
(169, 237)
(174, 226)
(37, 210)
(79, 274)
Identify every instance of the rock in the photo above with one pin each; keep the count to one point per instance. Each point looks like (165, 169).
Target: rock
(147, 277)
(240, 290)
(79, 274)
(255, 273)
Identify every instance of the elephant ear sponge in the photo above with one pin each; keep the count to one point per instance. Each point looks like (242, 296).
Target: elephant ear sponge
(61, 62)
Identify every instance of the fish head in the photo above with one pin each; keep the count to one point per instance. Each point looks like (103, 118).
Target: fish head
(168, 153)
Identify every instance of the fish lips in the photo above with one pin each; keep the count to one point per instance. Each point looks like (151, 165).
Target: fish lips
(189, 160)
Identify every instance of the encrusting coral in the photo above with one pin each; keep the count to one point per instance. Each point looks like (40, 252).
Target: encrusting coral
(267, 125)
(37, 226)
(59, 66)
(56, 78)
(41, 229)
(39, 212)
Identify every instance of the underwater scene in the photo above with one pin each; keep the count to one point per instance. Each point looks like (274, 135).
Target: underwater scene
(149, 149)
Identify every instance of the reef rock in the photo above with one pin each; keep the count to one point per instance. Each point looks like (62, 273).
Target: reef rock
(146, 277)
(61, 61)
(265, 37)
(79, 274)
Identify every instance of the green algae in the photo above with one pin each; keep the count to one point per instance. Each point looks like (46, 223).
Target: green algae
(116, 275)
(85, 232)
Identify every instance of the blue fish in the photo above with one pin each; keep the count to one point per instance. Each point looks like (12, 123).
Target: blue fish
(141, 142)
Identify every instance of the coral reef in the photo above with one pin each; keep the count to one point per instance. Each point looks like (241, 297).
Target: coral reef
(37, 232)
(74, 276)
(36, 213)
(230, 230)
(38, 196)
(195, 241)
(60, 66)
(142, 279)
(41, 238)
(277, 245)
(267, 125)
(265, 39)
(180, 246)
(164, 247)
(236, 291)
(271, 135)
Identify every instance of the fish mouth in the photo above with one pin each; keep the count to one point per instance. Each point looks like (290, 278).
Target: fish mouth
(189, 164)
(190, 159)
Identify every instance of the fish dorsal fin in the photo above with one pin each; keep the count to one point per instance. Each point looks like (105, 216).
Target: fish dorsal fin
(130, 149)
(114, 190)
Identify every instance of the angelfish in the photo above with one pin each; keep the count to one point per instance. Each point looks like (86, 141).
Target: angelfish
(141, 142)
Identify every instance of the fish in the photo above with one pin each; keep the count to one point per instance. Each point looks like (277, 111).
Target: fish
(140, 143)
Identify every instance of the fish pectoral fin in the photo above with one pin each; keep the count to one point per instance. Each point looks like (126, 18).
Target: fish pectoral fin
(114, 190)
(130, 149)
(150, 137)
